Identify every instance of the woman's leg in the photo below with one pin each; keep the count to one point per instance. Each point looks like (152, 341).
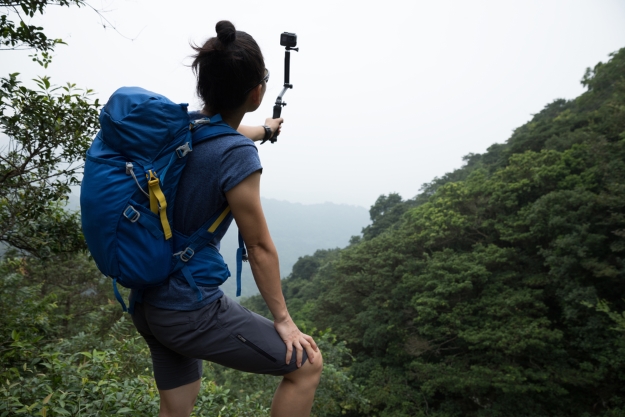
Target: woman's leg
(228, 334)
(179, 402)
(177, 377)
(295, 394)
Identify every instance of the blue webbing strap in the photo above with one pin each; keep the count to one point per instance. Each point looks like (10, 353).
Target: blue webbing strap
(241, 256)
(169, 164)
(118, 295)
(187, 275)
(198, 241)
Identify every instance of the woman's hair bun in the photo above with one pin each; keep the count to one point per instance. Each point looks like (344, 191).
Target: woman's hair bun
(226, 33)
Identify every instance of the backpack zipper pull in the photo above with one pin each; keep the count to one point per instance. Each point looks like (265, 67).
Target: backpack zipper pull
(130, 171)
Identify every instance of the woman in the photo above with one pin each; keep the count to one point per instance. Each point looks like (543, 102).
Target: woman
(182, 331)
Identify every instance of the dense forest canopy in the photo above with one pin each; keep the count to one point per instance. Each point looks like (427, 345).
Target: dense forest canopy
(496, 291)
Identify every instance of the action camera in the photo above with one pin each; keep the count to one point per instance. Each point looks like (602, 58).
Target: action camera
(288, 39)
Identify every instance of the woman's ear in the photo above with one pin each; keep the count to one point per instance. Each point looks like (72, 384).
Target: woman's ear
(256, 96)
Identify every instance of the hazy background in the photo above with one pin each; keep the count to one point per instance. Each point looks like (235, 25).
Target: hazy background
(387, 95)
(297, 230)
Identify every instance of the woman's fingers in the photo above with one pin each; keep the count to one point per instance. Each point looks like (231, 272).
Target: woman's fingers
(275, 125)
(312, 342)
(293, 338)
(299, 351)
(310, 350)
(289, 352)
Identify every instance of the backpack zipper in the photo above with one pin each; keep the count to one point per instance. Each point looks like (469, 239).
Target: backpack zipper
(131, 172)
(256, 348)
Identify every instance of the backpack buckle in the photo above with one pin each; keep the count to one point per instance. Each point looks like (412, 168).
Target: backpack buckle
(186, 254)
(131, 214)
(183, 150)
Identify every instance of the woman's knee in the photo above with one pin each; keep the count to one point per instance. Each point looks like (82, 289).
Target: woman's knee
(309, 373)
(179, 402)
(318, 362)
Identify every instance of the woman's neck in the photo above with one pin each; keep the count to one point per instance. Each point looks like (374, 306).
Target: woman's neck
(232, 118)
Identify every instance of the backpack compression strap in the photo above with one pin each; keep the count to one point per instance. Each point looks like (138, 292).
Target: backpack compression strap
(158, 204)
(198, 241)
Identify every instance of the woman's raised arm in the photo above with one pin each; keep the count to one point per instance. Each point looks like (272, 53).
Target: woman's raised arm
(258, 132)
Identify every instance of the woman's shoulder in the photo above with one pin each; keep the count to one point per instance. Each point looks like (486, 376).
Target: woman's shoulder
(225, 142)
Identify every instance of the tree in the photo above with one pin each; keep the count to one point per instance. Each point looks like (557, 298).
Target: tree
(49, 130)
(385, 212)
(24, 36)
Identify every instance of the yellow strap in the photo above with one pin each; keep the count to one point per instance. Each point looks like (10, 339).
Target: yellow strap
(220, 219)
(153, 184)
(158, 204)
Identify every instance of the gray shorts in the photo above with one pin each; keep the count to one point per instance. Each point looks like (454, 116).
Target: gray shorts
(222, 332)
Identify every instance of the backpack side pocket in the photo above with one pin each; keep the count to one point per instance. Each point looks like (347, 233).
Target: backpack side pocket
(145, 257)
(125, 238)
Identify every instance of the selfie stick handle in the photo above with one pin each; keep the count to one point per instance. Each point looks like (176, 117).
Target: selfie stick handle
(277, 108)
(287, 66)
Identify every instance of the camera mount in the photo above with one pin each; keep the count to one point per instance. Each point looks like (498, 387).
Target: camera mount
(289, 41)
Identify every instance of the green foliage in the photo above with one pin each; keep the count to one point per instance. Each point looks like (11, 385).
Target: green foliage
(297, 288)
(25, 36)
(604, 307)
(103, 368)
(43, 301)
(337, 393)
(49, 130)
(385, 212)
(71, 282)
(113, 378)
(479, 291)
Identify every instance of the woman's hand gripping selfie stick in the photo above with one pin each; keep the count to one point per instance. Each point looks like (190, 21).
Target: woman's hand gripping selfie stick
(289, 41)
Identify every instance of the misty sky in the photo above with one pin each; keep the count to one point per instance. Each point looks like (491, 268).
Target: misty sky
(387, 95)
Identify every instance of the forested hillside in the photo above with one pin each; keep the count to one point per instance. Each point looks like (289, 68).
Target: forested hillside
(490, 293)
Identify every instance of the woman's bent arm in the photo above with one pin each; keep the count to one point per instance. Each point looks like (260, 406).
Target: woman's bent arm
(258, 132)
(244, 201)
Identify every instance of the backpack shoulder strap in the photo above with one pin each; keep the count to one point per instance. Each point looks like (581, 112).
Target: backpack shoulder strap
(209, 128)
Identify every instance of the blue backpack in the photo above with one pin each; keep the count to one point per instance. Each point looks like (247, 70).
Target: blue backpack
(128, 192)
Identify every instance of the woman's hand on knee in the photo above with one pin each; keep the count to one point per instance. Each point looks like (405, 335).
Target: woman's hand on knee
(293, 338)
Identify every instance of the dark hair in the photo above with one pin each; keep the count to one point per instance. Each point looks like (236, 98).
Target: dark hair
(226, 67)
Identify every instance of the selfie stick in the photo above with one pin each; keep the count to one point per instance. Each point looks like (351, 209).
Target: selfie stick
(288, 40)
